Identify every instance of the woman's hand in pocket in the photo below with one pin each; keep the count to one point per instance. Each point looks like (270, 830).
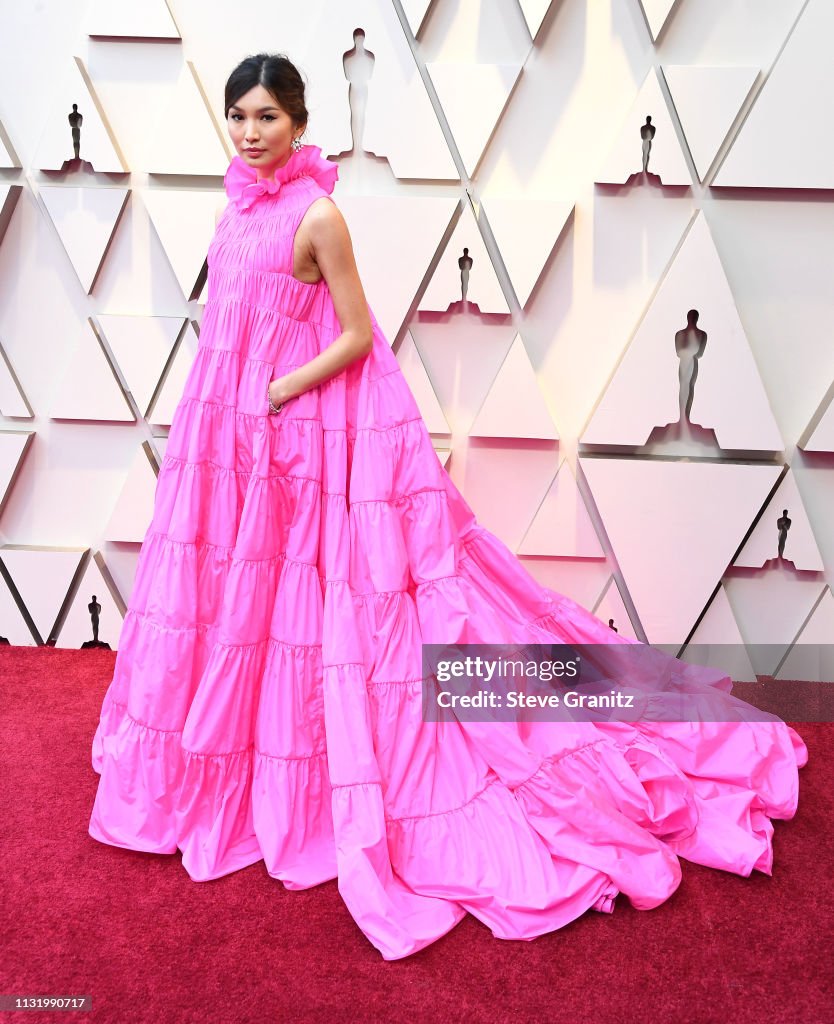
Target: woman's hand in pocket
(279, 392)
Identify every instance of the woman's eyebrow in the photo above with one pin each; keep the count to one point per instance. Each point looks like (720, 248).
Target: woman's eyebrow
(260, 110)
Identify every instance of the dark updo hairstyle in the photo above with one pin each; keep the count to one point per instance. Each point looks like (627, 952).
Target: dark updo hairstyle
(278, 75)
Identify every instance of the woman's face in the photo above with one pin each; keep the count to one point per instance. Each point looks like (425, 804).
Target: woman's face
(256, 122)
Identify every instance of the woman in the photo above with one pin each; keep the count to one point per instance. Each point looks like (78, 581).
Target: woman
(305, 543)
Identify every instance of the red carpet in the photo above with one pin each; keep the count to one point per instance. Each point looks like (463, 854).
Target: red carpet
(148, 944)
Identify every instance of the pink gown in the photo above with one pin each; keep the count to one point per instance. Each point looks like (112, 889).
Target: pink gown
(266, 702)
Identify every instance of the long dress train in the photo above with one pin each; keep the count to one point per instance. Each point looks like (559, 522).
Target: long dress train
(266, 701)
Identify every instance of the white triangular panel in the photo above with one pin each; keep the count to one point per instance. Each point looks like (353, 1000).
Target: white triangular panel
(770, 610)
(141, 346)
(12, 624)
(56, 145)
(445, 286)
(800, 544)
(12, 397)
(657, 11)
(673, 538)
(717, 642)
(443, 454)
(525, 230)
(581, 580)
(134, 506)
(172, 390)
(42, 577)
(150, 19)
(400, 123)
(88, 388)
(77, 627)
(612, 606)
(414, 371)
(379, 227)
(562, 526)
(515, 405)
(707, 100)
(13, 446)
(821, 427)
(472, 97)
(185, 226)
(534, 12)
(198, 150)
(462, 359)
(9, 196)
(626, 155)
(485, 474)
(786, 141)
(85, 219)
(729, 397)
(812, 656)
(8, 157)
(416, 11)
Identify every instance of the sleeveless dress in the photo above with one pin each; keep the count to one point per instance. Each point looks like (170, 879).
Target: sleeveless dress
(266, 702)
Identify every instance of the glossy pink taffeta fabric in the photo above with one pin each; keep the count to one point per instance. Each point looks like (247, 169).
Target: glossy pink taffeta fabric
(267, 701)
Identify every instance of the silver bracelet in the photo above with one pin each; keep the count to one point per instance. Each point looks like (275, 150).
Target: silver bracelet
(273, 408)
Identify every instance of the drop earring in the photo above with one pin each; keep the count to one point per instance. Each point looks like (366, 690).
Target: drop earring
(297, 144)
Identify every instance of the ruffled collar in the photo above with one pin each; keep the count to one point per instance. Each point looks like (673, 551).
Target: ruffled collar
(243, 186)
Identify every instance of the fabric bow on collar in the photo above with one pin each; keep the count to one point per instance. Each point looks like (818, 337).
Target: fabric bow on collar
(243, 186)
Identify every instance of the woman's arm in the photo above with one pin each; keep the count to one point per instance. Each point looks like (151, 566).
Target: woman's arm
(332, 250)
